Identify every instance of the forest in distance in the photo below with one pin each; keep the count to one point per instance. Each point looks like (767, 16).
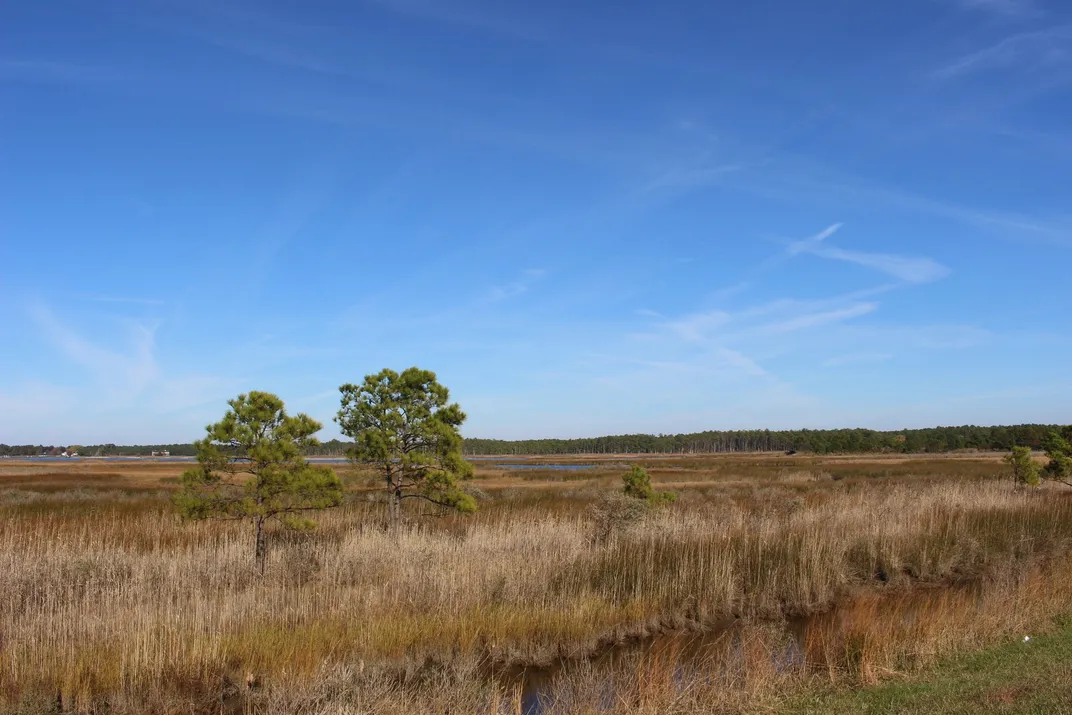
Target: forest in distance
(831, 441)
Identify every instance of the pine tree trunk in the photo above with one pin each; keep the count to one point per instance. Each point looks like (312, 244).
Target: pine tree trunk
(395, 509)
(261, 551)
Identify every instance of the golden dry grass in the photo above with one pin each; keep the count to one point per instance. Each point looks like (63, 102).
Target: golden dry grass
(111, 599)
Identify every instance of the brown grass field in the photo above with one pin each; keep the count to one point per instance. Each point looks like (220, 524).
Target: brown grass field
(770, 576)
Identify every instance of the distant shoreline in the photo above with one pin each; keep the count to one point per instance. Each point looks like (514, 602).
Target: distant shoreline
(507, 459)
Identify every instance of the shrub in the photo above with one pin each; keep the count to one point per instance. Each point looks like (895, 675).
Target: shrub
(1059, 451)
(638, 486)
(1024, 469)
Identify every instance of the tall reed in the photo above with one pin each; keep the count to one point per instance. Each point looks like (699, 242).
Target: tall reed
(120, 601)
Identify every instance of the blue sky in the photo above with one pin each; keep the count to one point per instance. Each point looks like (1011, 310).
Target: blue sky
(586, 217)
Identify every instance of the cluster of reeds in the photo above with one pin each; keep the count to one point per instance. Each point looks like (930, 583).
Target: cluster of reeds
(120, 602)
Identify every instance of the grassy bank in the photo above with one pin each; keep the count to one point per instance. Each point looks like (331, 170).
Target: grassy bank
(1016, 677)
(111, 599)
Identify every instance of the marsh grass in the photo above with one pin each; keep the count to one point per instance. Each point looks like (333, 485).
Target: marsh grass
(116, 601)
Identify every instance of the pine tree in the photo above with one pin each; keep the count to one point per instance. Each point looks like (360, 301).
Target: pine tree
(250, 467)
(405, 427)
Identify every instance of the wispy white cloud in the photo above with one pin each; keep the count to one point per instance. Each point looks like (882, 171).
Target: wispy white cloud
(1001, 7)
(487, 18)
(523, 284)
(770, 318)
(668, 365)
(906, 268)
(712, 360)
(1048, 46)
(698, 327)
(38, 70)
(855, 359)
(311, 190)
(812, 320)
(729, 291)
(97, 298)
(182, 393)
(457, 13)
(738, 360)
(722, 344)
(257, 33)
(912, 270)
(316, 397)
(516, 21)
(807, 245)
(127, 374)
(31, 403)
(257, 48)
(132, 369)
(687, 177)
(924, 337)
(813, 183)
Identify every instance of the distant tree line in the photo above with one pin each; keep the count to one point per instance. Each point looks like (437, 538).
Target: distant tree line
(27, 450)
(97, 450)
(933, 439)
(334, 448)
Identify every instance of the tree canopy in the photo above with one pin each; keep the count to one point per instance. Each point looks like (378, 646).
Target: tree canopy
(1024, 469)
(1059, 451)
(250, 466)
(637, 485)
(405, 427)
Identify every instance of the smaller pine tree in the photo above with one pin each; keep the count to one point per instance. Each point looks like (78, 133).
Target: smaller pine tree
(638, 486)
(250, 467)
(1024, 469)
(1059, 468)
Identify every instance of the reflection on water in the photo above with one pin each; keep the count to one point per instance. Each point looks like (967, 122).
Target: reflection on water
(733, 652)
(674, 659)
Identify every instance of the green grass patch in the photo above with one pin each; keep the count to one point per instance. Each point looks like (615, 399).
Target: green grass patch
(1018, 677)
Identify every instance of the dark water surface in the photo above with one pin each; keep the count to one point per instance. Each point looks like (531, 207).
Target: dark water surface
(720, 652)
(711, 654)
